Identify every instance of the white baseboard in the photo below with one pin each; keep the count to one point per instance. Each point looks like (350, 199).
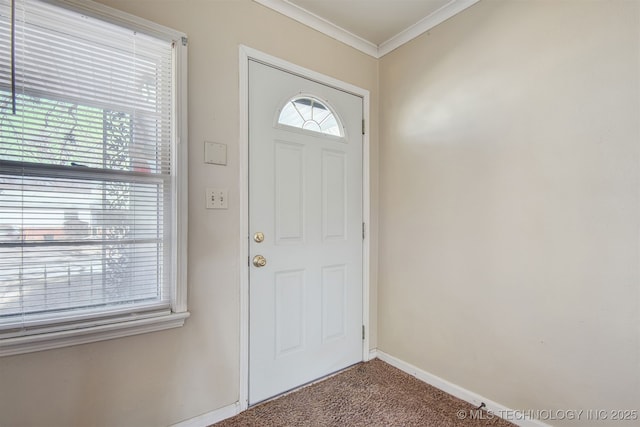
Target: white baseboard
(517, 417)
(212, 417)
(514, 416)
(372, 354)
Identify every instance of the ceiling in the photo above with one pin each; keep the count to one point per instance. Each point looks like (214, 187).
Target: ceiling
(373, 20)
(375, 27)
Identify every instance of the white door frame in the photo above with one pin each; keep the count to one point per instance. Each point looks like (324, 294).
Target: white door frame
(247, 53)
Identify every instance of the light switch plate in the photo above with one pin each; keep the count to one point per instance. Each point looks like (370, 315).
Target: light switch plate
(215, 153)
(216, 198)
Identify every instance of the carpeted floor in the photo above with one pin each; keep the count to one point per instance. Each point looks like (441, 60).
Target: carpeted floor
(368, 394)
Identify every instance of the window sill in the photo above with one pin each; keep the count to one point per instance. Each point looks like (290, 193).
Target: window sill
(32, 343)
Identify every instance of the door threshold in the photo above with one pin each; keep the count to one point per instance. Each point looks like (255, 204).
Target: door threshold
(305, 385)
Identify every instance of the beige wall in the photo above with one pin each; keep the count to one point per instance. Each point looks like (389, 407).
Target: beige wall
(509, 191)
(161, 378)
(509, 215)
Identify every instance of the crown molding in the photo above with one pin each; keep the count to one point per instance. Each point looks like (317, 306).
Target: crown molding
(330, 29)
(425, 24)
(317, 23)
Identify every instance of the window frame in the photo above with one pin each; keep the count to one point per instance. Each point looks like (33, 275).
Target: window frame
(80, 331)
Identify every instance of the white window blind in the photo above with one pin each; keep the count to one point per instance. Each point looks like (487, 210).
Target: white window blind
(87, 169)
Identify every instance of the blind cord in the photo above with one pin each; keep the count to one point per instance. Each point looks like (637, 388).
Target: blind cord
(13, 56)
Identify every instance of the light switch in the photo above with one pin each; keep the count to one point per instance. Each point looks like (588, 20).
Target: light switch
(217, 198)
(215, 153)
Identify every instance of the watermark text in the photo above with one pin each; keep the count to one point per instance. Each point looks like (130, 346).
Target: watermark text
(551, 414)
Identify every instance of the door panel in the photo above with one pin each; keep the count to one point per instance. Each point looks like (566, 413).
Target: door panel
(289, 192)
(305, 196)
(334, 302)
(289, 290)
(334, 195)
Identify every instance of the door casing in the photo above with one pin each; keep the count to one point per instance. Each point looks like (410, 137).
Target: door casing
(245, 54)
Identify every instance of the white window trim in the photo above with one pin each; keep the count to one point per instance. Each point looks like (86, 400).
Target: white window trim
(130, 324)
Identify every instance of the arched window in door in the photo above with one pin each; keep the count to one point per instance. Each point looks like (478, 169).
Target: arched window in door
(311, 114)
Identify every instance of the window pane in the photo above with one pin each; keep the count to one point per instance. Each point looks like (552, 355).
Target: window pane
(304, 106)
(290, 116)
(58, 132)
(68, 244)
(310, 114)
(330, 126)
(68, 278)
(320, 112)
(87, 92)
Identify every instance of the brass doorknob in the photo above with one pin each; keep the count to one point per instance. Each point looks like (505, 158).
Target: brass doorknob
(259, 261)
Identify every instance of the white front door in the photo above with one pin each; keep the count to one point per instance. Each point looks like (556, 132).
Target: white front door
(305, 220)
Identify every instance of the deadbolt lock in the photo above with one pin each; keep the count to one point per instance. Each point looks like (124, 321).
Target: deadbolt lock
(259, 261)
(258, 237)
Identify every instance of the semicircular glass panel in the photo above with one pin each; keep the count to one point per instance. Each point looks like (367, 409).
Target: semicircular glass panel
(311, 114)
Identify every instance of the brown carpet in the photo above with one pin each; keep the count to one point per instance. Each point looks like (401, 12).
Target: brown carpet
(368, 394)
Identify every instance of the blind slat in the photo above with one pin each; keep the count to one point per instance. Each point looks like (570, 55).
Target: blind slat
(86, 187)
